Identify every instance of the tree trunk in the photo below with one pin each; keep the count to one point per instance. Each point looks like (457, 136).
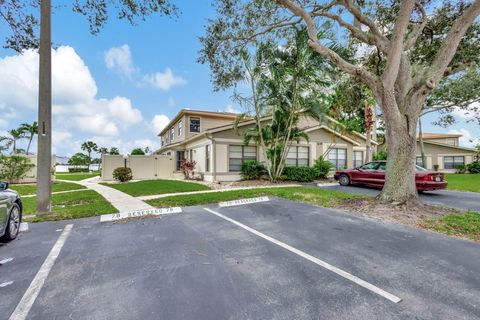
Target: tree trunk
(368, 133)
(29, 144)
(399, 185)
(422, 147)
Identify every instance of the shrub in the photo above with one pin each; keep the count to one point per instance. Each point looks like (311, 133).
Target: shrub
(76, 170)
(323, 167)
(14, 168)
(252, 169)
(435, 167)
(380, 155)
(188, 168)
(474, 167)
(123, 174)
(302, 174)
(460, 168)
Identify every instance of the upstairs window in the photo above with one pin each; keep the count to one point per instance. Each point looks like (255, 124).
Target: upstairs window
(194, 124)
(180, 127)
(172, 134)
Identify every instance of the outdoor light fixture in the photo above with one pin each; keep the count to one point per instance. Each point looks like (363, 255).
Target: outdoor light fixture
(125, 158)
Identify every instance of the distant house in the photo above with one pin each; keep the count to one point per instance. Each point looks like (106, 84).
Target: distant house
(444, 150)
(210, 139)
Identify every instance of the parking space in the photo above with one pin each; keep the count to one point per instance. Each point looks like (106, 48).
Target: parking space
(269, 260)
(450, 198)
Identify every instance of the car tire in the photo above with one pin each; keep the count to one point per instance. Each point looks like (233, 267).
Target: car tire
(13, 224)
(344, 180)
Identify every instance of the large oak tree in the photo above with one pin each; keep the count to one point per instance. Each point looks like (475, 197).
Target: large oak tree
(415, 44)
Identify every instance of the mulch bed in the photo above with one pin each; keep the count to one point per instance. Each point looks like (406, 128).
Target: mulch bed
(411, 216)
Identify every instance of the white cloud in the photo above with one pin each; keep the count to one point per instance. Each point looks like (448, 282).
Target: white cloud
(3, 123)
(120, 59)
(164, 81)
(468, 113)
(159, 122)
(76, 107)
(231, 109)
(467, 139)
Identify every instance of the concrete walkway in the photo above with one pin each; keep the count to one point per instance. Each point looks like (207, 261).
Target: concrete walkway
(163, 195)
(120, 200)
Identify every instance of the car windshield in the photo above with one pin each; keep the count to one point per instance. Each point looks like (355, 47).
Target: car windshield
(382, 166)
(369, 166)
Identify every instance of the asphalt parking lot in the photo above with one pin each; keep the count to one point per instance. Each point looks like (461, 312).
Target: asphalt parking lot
(268, 260)
(450, 198)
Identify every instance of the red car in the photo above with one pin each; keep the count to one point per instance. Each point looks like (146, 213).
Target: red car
(372, 174)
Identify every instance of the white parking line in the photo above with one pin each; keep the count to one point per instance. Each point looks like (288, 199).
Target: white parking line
(317, 261)
(5, 284)
(22, 309)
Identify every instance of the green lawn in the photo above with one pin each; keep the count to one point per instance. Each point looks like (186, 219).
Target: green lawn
(24, 189)
(75, 176)
(316, 196)
(465, 225)
(150, 187)
(463, 182)
(72, 205)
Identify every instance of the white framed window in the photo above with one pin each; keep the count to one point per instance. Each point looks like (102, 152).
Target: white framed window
(172, 134)
(419, 161)
(237, 155)
(298, 156)
(451, 162)
(194, 124)
(180, 128)
(357, 158)
(338, 157)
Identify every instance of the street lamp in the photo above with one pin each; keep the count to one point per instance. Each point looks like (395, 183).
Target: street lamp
(125, 158)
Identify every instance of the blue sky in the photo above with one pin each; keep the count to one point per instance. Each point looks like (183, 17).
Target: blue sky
(120, 86)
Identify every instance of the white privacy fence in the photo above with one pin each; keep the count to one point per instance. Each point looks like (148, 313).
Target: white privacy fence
(143, 167)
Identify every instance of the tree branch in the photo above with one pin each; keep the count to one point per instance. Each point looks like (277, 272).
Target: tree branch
(355, 31)
(327, 53)
(450, 44)
(363, 19)
(397, 44)
(417, 30)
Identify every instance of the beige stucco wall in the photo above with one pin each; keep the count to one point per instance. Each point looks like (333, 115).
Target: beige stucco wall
(143, 167)
(31, 176)
(435, 154)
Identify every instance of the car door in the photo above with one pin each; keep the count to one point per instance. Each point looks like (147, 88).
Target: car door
(3, 212)
(364, 174)
(379, 174)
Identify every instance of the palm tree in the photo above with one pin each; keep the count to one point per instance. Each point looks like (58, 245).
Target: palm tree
(89, 147)
(11, 139)
(30, 130)
(285, 83)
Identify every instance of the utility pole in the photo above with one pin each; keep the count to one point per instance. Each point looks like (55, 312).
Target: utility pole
(44, 153)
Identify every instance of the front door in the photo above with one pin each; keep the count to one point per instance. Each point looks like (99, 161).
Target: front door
(180, 158)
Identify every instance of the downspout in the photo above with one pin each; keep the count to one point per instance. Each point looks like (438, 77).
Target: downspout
(214, 157)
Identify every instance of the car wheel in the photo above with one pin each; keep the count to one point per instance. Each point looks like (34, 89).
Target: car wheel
(13, 225)
(344, 180)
